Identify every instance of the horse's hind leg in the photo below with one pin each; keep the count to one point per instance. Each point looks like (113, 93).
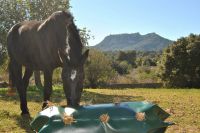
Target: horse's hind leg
(28, 73)
(17, 79)
(12, 83)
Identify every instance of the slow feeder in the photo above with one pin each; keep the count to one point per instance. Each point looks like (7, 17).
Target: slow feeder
(125, 117)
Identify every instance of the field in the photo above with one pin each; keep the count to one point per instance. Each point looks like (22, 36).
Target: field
(182, 104)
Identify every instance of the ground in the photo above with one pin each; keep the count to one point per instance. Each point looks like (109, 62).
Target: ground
(182, 104)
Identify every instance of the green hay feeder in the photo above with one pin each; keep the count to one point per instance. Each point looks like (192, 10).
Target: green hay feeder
(126, 117)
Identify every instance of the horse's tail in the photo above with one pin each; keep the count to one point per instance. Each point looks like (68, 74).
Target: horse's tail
(11, 39)
(12, 83)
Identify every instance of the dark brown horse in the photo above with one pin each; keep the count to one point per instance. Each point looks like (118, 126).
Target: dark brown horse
(46, 45)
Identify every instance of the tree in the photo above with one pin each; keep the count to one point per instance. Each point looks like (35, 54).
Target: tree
(146, 61)
(10, 13)
(85, 36)
(147, 58)
(14, 11)
(179, 65)
(98, 69)
(121, 67)
(129, 56)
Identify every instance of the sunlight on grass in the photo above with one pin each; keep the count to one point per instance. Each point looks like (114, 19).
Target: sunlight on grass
(182, 104)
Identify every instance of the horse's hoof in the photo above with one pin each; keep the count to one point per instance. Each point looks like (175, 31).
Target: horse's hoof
(25, 114)
(26, 117)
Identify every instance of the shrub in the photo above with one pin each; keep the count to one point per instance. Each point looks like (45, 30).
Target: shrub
(121, 67)
(179, 65)
(98, 69)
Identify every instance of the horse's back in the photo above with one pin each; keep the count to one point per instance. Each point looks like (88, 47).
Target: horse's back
(30, 46)
(20, 37)
(21, 33)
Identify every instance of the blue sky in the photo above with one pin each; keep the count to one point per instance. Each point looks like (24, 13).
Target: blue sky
(171, 19)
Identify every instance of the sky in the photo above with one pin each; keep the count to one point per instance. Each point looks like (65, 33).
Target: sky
(171, 19)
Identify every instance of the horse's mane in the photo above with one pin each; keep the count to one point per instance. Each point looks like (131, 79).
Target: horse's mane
(74, 32)
(75, 42)
(54, 17)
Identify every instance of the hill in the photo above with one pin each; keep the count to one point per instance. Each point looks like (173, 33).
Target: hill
(134, 41)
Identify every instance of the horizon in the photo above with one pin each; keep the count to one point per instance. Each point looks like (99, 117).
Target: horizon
(169, 19)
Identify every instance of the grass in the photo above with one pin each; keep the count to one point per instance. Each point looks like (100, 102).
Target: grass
(183, 104)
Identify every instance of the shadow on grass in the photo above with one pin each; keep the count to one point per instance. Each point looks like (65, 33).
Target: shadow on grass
(136, 85)
(24, 123)
(33, 95)
(97, 98)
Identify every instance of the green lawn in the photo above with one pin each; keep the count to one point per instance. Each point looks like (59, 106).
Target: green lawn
(184, 105)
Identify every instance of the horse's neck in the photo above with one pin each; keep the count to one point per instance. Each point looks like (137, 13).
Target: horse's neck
(74, 41)
(75, 49)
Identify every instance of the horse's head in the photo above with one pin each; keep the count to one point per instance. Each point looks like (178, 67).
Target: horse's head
(71, 55)
(73, 77)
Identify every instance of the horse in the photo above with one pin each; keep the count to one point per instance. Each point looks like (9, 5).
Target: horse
(44, 46)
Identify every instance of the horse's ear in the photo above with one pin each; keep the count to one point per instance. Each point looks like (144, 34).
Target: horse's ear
(84, 56)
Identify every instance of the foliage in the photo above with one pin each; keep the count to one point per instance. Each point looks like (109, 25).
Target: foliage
(57, 75)
(146, 74)
(129, 56)
(140, 58)
(148, 58)
(3, 55)
(4, 70)
(14, 11)
(85, 36)
(121, 67)
(8, 17)
(98, 69)
(145, 61)
(123, 61)
(140, 76)
(180, 66)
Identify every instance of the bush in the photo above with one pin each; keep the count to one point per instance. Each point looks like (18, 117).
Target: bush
(128, 56)
(149, 58)
(146, 75)
(179, 65)
(57, 75)
(98, 69)
(121, 67)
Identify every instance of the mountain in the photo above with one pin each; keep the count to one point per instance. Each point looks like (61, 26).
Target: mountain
(134, 41)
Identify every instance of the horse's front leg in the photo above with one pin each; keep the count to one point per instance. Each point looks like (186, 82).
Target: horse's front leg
(47, 87)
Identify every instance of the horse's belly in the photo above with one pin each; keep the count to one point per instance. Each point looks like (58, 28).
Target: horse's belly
(37, 60)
